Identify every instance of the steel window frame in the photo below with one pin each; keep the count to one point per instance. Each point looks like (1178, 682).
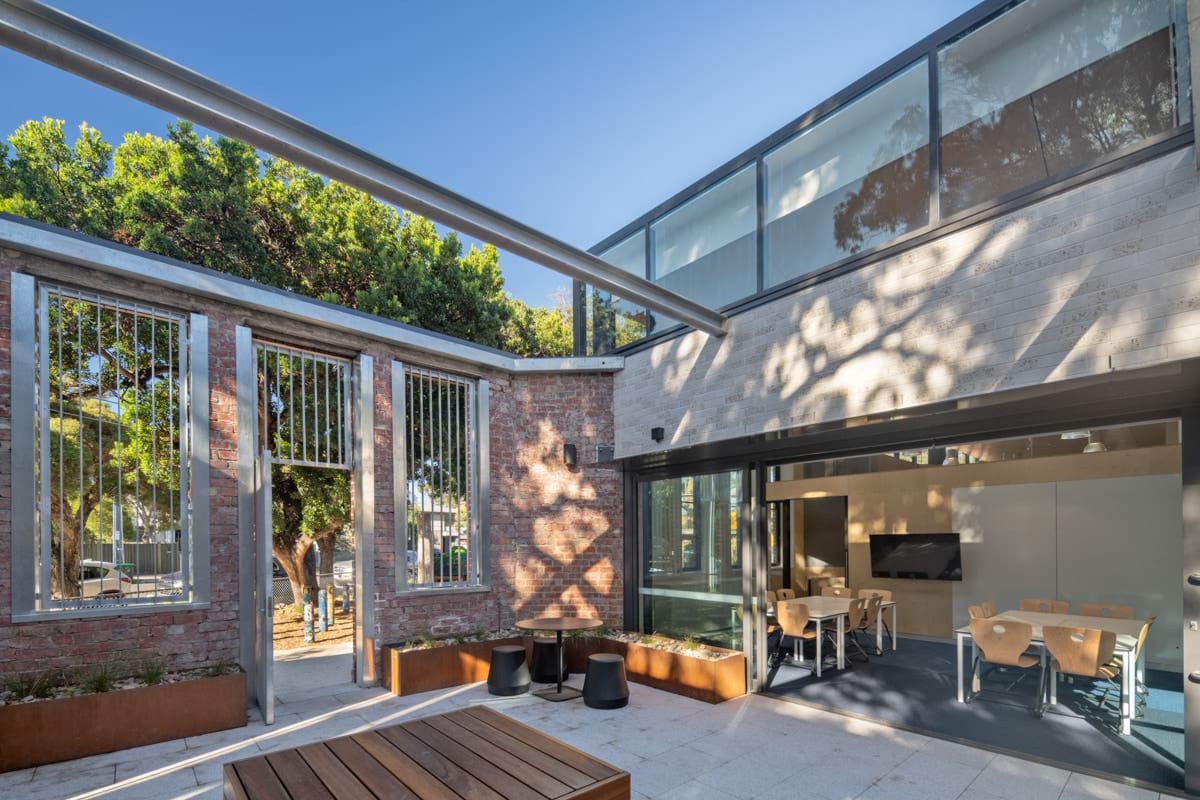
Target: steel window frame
(938, 226)
(366, 669)
(477, 469)
(30, 446)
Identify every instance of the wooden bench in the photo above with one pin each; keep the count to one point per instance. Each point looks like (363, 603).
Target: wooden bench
(474, 753)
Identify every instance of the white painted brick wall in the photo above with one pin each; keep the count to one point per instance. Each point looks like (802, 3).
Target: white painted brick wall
(1105, 274)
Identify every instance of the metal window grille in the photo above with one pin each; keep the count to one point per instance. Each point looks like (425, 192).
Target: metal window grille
(304, 418)
(112, 396)
(440, 444)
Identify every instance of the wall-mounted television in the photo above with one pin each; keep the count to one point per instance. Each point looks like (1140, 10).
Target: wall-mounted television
(916, 556)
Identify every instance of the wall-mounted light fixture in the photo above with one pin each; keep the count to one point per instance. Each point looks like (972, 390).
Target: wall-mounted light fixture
(657, 434)
(569, 456)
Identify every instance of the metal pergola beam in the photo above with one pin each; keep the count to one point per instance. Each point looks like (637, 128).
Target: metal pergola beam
(71, 44)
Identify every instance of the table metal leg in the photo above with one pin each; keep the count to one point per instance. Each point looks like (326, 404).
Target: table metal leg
(879, 634)
(893, 628)
(959, 642)
(819, 638)
(558, 651)
(976, 683)
(1128, 691)
(560, 692)
(841, 642)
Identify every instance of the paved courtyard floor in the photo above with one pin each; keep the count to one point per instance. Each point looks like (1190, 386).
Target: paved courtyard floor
(754, 747)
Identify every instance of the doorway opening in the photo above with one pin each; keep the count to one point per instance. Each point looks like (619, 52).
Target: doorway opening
(1039, 543)
(305, 448)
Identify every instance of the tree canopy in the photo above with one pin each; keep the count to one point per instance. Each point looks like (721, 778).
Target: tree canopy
(222, 205)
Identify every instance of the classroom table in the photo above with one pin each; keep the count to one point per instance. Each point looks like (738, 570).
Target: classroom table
(1127, 631)
(821, 609)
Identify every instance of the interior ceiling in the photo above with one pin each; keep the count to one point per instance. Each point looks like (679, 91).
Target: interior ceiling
(1153, 434)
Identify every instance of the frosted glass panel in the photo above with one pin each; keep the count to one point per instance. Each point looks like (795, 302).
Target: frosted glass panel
(1008, 550)
(706, 250)
(856, 180)
(1120, 540)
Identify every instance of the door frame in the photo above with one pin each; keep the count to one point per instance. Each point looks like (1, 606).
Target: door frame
(253, 659)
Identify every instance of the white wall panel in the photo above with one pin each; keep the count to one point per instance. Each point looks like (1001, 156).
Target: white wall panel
(1008, 550)
(1120, 540)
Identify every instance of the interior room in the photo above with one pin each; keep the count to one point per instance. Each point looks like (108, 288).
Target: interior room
(1072, 540)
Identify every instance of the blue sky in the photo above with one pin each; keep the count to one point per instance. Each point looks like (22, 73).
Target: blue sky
(574, 117)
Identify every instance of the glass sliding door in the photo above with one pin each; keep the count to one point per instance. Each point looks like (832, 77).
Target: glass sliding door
(691, 544)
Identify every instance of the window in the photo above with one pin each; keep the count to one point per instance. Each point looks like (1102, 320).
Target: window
(691, 554)
(611, 321)
(114, 439)
(853, 181)
(706, 250)
(777, 524)
(1050, 86)
(441, 474)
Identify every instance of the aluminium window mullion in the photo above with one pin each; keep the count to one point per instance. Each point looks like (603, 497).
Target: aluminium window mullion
(184, 401)
(329, 452)
(447, 571)
(119, 444)
(410, 535)
(99, 441)
(303, 377)
(453, 390)
(62, 437)
(43, 361)
(472, 448)
(426, 551)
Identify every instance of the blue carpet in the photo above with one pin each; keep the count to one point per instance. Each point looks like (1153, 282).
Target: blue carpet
(915, 687)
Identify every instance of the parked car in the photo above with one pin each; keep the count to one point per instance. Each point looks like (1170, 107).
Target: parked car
(103, 579)
(171, 583)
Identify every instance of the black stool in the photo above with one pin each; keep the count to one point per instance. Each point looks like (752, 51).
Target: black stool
(604, 684)
(508, 673)
(545, 659)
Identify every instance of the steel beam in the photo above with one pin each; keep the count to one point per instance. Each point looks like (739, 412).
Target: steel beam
(71, 44)
(109, 257)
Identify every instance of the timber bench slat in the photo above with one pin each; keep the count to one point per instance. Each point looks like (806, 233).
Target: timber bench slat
(470, 754)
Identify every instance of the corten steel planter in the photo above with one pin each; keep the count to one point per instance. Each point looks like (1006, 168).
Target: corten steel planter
(423, 670)
(710, 680)
(48, 731)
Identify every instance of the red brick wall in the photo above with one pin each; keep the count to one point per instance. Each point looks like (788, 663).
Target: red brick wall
(555, 538)
(185, 639)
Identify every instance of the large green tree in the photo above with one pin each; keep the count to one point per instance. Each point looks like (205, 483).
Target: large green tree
(220, 204)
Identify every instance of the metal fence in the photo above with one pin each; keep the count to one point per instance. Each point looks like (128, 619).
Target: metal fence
(281, 589)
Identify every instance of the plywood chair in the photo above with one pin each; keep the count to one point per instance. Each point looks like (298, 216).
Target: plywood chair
(1046, 606)
(885, 595)
(870, 618)
(786, 594)
(836, 591)
(1002, 643)
(856, 619)
(1079, 652)
(1143, 691)
(1111, 610)
(793, 621)
(977, 612)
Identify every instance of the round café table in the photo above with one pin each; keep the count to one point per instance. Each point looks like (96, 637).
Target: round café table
(559, 625)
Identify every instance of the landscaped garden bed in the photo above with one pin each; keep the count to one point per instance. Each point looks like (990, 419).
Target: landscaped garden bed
(680, 666)
(425, 664)
(50, 718)
(685, 667)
